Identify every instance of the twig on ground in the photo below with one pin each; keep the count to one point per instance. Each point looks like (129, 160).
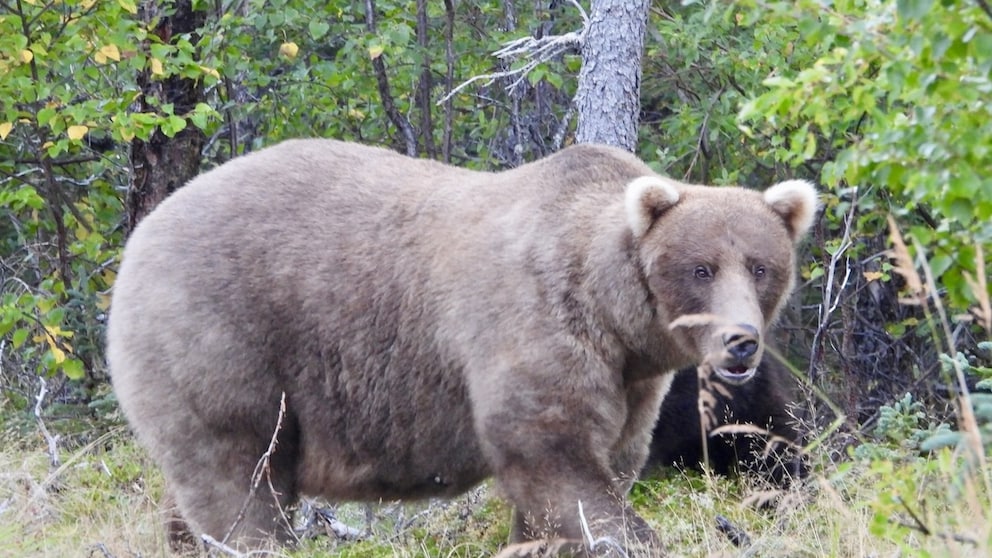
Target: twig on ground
(103, 550)
(338, 527)
(218, 545)
(737, 536)
(53, 449)
(918, 525)
(593, 544)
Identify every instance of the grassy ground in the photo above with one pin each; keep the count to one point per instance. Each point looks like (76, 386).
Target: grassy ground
(101, 501)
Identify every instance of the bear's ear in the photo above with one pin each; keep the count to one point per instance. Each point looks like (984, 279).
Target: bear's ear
(647, 198)
(796, 202)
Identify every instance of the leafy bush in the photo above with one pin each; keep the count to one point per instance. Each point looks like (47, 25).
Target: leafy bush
(899, 100)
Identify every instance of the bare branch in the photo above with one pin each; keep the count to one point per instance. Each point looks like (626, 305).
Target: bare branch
(449, 77)
(261, 470)
(340, 529)
(827, 307)
(425, 83)
(534, 51)
(593, 544)
(103, 550)
(53, 449)
(737, 536)
(218, 545)
(382, 81)
(984, 5)
(920, 526)
(566, 121)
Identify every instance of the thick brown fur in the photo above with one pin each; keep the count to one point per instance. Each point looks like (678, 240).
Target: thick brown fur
(765, 402)
(431, 327)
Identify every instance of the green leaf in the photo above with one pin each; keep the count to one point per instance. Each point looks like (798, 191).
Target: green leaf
(318, 29)
(913, 9)
(73, 369)
(173, 125)
(19, 337)
(46, 115)
(942, 440)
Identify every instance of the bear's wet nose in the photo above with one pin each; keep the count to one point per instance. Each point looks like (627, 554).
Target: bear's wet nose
(742, 343)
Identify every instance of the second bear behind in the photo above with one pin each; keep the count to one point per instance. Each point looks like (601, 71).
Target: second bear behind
(765, 402)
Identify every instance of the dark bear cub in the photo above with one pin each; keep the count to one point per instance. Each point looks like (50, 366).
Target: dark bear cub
(763, 402)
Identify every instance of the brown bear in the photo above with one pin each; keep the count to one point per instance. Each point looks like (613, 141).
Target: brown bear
(428, 327)
(764, 402)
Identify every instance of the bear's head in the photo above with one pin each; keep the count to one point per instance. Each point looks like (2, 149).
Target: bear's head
(719, 263)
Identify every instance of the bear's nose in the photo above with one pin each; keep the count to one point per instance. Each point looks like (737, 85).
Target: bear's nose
(742, 343)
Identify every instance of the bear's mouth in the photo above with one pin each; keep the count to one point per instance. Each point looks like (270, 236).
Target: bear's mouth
(735, 374)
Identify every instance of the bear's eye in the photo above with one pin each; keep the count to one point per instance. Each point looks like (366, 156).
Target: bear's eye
(702, 272)
(758, 271)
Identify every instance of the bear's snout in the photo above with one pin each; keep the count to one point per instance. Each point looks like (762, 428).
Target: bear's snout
(742, 343)
(741, 353)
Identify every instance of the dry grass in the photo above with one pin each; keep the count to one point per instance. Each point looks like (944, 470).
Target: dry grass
(102, 502)
(99, 502)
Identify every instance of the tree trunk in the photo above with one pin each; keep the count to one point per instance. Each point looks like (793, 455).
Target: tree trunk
(608, 96)
(163, 164)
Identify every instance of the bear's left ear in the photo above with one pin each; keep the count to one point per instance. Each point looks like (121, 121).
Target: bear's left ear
(646, 198)
(796, 202)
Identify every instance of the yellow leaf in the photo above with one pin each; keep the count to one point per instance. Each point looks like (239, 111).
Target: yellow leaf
(103, 301)
(127, 134)
(375, 51)
(111, 52)
(56, 331)
(77, 132)
(5, 128)
(289, 49)
(58, 353)
(873, 275)
(156, 65)
(26, 56)
(129, 5)
(99, 58)
(211, 71)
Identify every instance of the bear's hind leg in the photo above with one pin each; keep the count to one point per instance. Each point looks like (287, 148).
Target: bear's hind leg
(231, 487)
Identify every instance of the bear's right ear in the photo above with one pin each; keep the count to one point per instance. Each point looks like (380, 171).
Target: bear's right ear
(647, 198)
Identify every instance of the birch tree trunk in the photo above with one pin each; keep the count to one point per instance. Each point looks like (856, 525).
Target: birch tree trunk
(608, 95)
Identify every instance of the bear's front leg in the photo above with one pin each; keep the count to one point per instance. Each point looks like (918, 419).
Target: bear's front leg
(630, 453)
(551, 456)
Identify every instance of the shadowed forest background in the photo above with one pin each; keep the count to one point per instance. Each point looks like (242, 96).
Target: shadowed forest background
(107, 106)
